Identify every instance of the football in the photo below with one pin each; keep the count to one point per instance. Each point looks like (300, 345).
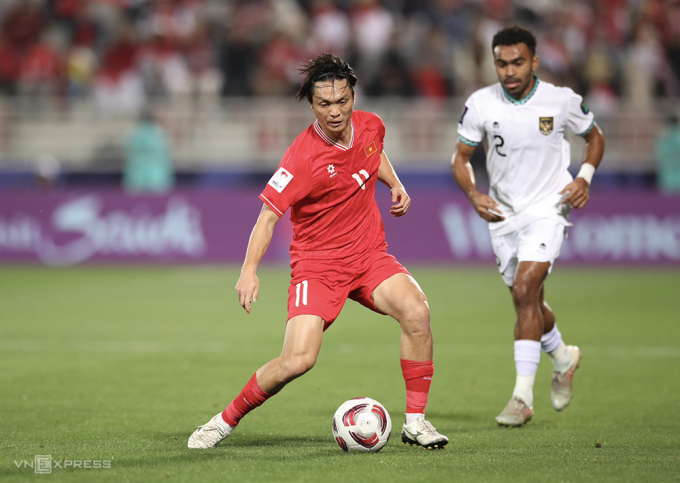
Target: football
(362, 424)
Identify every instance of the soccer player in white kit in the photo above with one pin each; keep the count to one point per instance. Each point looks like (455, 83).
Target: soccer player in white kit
(522, 122)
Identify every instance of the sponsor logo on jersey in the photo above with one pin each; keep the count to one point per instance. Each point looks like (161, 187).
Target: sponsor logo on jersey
(280, 179)
(545, 125)
(331, 170)
(584, 108)
(465, 110)
(370, 149)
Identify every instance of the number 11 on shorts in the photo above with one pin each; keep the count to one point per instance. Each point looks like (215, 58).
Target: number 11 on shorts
(304, 293)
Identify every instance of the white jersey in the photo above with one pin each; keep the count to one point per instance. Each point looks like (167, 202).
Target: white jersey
(527, 155)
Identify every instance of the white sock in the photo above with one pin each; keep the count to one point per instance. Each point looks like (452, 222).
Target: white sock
(561, 358)
(223, 423)
(413, 417)
(550, 340)
(552, 344)
(527, 357)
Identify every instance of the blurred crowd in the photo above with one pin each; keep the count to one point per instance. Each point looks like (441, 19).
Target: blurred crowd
(123, 52)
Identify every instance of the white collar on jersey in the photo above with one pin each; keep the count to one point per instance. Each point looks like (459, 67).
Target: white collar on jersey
(324, 136)
(524, 99)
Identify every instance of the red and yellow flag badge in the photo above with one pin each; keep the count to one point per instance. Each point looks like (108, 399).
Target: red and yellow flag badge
(370, 149)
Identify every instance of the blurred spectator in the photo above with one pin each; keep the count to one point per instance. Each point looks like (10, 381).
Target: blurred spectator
(247, 21)
(277, 70)
(431, 73)
(668, 158)
(642, 65)
(41, 70)
(372, 27)
(330, 28)
(81, 65)
(119, 86)
(201, 57)
(148, 164)
(606, 49)
(10, 66)
(47, 171)
(23, 23)
(393, 77)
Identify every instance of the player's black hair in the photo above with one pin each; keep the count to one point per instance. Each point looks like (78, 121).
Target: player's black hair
(324, 67)
(515, 35)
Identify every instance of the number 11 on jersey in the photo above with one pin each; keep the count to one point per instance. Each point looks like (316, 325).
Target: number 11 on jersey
(304, 285)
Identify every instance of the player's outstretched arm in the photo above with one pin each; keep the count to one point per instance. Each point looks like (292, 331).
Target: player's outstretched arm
(579, 189)
(248, 285)
(484, 205)
(388, 176)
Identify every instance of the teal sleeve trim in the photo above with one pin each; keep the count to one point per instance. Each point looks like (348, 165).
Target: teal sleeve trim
(468, 142)
(592, 125)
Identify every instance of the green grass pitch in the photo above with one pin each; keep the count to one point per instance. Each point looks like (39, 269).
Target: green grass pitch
(121, 364)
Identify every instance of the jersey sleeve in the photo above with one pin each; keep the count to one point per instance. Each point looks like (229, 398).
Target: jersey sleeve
(470, 125)
(579, 118)
(290, 183)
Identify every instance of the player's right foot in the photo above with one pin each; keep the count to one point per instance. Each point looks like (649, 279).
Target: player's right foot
(561, 392)
(422, 433)
(210, 434)
(515, 414)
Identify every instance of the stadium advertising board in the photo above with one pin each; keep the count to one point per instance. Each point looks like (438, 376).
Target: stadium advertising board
(62, 229)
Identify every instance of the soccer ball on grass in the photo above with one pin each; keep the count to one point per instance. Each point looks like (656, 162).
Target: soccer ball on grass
(362, 424)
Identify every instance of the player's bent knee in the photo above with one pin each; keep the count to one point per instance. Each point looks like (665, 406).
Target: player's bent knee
(416, 317)
(523, 292)
(297, 365)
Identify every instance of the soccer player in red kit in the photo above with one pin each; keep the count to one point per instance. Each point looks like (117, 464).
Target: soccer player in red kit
(327, 177)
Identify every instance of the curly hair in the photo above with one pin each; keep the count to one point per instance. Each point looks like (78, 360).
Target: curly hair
(515, 35)
(324, 67)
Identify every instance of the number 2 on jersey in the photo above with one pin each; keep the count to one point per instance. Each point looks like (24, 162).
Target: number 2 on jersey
(498, 144)
(304, 285)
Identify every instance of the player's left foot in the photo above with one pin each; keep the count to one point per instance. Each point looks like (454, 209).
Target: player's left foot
(210, 434)
(562, 391)
(515, 414)
(422, 433)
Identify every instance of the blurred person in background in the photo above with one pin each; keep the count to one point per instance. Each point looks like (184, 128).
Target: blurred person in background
(118, 85)
(668, 157)
(148, 163)
(47, 172)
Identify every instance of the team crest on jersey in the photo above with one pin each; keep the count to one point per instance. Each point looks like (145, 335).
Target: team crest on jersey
(545, 125)
(280, 179)
(370, 149)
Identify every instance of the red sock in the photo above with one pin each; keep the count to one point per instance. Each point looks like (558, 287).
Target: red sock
(418, 377)
(251, 397)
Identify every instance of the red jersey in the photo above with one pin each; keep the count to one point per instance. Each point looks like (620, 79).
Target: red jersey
(331, 191)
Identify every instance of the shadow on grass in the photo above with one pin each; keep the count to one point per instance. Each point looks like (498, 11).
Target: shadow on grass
(248, 450)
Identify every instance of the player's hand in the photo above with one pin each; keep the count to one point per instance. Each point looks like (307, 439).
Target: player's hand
(247, 287)
(486, 207)
(579, 193)
(402, 200)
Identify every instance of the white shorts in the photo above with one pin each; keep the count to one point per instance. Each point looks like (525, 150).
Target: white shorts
(539, 241)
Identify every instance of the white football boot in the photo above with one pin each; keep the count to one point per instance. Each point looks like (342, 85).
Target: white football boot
(422, 433)
(210, 434)
(562, 391)
(515, 414)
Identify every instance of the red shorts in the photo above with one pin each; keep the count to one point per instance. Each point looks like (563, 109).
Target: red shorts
(320, 287)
